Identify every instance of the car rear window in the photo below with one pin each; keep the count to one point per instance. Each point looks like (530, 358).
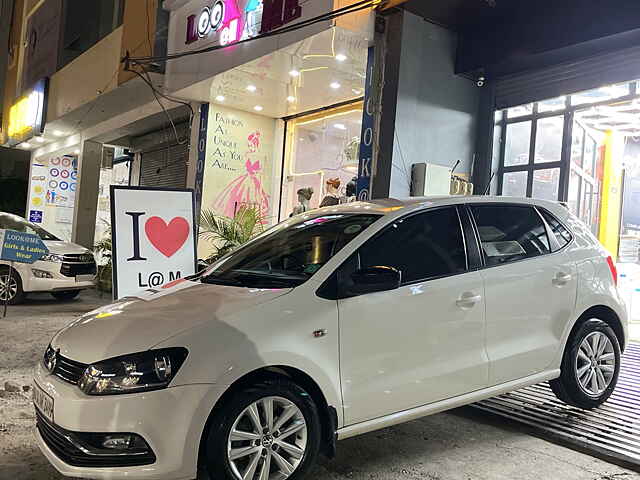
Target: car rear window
(561, 233)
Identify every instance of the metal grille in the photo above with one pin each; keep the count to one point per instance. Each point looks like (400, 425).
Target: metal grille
(165, 167)
(611, 430)
(69, 370)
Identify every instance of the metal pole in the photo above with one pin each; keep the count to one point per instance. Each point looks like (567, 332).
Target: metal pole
(6, 290)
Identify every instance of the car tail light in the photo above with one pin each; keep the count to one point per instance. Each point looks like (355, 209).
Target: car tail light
(614, 270)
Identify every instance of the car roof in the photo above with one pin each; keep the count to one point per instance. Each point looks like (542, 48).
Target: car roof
(396, 206)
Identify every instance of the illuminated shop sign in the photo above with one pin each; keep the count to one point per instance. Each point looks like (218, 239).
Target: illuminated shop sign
(27, 115)
(233, 23)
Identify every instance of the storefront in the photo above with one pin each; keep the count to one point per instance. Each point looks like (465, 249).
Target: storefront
(283, 130)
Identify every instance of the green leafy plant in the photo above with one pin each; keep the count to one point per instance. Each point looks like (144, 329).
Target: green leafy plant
(226, 234)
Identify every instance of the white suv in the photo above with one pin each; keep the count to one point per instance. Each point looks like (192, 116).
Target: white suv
(65, 271)
(334, 323)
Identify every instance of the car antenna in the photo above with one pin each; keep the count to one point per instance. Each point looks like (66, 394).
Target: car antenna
(486, 190)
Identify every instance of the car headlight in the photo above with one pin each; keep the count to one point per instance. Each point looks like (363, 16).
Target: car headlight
(137, 372)
(52, 257)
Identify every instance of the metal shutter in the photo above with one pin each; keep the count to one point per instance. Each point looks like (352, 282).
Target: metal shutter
(570, 77)
(164, 167)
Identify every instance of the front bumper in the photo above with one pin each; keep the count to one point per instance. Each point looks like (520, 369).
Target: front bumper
(171, 421)
(58, 282)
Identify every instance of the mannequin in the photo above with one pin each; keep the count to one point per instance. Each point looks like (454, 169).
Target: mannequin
(332, 195)
(304, 200)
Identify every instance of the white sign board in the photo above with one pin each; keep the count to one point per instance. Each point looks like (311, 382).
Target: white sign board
(153, 237)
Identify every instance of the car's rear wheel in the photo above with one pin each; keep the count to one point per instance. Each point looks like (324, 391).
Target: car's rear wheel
(11, 286)
(270, 431)
(65, 294)
(590, 366)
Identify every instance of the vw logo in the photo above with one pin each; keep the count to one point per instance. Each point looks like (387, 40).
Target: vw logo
(51, 359)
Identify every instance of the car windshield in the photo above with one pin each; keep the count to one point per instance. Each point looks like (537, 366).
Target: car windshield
(290, 253)
(14, 222)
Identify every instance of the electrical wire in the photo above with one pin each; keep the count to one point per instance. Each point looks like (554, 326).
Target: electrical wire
(356, 7)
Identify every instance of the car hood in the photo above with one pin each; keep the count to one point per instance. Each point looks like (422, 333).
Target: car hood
(60, 247)
(135, 324)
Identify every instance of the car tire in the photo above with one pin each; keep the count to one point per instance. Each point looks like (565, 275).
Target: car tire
(65, 295)
(588, 378)
(17, 293)
(267, 451)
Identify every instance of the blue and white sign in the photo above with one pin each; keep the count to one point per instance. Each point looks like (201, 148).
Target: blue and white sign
(35, 216)
(366, 142)
(21, 247)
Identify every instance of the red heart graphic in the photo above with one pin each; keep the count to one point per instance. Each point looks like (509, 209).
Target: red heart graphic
(167, 238)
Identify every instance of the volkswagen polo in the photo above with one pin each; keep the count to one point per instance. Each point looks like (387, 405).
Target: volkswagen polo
(331, 324)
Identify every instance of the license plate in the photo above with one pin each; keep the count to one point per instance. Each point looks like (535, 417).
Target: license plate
(85, 278)
(43, 402)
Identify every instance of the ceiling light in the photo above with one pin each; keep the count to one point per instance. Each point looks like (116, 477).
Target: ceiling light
(291, 99)
(341, 57)
(77, 152)
(335, 85)
(258, 108)
(294, 73)
(220, 98)
(339, 126)
(40, 139)
(25, 145)
(252, 88)
(356, 91)
(58, 133)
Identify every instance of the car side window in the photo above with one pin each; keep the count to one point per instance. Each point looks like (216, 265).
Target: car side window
(421, 246)
(561, 233)
(510, 232)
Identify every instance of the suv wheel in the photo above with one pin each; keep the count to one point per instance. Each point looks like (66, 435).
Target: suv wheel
(11, 286)
(265, 432)
(65, 294)
(590, 366)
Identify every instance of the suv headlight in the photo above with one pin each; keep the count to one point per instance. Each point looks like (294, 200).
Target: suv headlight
(137, 372)
(52, 257)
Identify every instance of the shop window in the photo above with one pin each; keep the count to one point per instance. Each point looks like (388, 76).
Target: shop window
(545, 184)
(552, 105)
(577, 144)
(520, 111)
(589, 156)
(549, 139)
(601, 94)
(573, 198)
(322, 154)
(514, 184)
(517, 144)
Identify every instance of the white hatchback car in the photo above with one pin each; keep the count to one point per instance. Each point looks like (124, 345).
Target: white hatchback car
(65, 271)
(334, 323)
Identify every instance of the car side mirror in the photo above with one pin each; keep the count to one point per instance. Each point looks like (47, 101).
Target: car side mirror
(375, 279)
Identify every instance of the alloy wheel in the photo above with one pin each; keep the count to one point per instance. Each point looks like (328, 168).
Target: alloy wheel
(595, 364)
(267, 440)
(9, 287)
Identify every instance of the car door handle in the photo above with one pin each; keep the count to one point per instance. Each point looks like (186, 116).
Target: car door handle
(468, 300)
(561, 278)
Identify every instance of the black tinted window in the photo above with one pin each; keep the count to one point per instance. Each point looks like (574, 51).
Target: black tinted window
(562, 234)
(421, 246)
(510, 233)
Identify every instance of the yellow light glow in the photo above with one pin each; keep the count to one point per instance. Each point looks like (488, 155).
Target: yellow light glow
(23, 115)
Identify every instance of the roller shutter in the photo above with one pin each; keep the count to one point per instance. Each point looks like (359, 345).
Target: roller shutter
(570, 77)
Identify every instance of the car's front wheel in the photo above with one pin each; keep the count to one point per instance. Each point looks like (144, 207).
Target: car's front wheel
(590, 366)
(268, 431)
(10, 287)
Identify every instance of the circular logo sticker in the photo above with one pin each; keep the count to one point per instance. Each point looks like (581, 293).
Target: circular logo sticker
(217, 15)
(53, 184)
(55, 161)
(54, 172)
(74, 175)
(64, 185)
(38, 189)
(66, 162)
(204, 21)
(36, 201)
(64, 173)
(72, 187)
